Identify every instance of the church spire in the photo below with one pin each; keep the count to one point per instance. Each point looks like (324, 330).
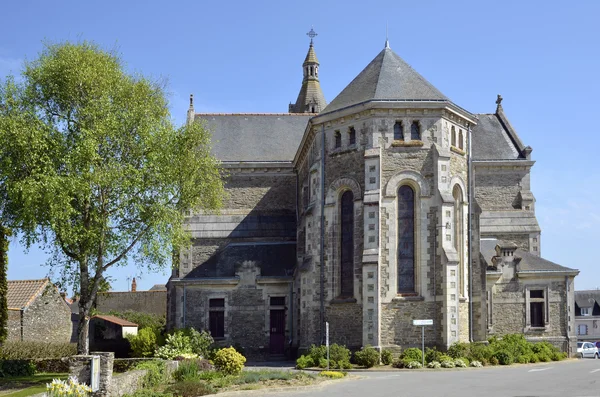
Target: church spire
(310, 99)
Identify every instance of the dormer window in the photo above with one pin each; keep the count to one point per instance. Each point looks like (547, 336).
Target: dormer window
(338, 140)
(415, 131)
(586, 311)
(351, 136)
(398, 131)
(453, 137)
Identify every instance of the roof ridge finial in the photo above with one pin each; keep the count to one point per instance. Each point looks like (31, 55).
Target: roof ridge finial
(387, 42)
(312, 34)
(499, 103)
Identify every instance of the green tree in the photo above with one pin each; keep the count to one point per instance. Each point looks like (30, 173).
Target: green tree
(98, 170)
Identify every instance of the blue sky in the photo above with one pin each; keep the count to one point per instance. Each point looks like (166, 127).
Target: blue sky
(240, 56)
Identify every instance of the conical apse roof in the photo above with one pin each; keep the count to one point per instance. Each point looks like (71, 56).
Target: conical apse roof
(387, 77)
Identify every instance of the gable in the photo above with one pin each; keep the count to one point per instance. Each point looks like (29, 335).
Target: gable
(21, 293)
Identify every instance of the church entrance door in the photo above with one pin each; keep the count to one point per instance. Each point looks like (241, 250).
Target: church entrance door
(277, 343)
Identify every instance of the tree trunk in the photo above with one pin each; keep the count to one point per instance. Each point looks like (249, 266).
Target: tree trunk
(4, 234)
(83, 343)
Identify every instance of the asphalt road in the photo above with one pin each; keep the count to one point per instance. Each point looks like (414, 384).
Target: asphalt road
(573, 378)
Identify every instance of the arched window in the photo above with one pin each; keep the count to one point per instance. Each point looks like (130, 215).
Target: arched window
(347, 245)
(338, 140)
(459, 236)
(351, 136)
(415, 131)
(398, 131)
(311, 70)
(406, 239)
(460, 139)
(453, 139)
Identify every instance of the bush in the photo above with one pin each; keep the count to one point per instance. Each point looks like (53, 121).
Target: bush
(432, 354)
(191, 389)
(434, 364)
(480, 352)
(229, 361)
(494, 361)
(445, 357)
(460, 363)
(533, 358)
(338, 353)
(12, 368)
(476, 364)
(447, 364)
(523, 359)
(413, 365)
(412, 353)
(458, 350)
(144, 343)
(148, 393)
(558, 356)
(304, 362)
(155, 322)
(200, 342)
(25, 350)
(186, 370)
(514, 345)
(177, 344)
(67, 388)
(316, 353)
(367, 357)
(387, 357)
(332, 374)
(156, 373)
(127, 364)
(323, 363)
(504, 357)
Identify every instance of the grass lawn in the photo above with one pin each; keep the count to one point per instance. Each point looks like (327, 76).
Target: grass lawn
(24, 386)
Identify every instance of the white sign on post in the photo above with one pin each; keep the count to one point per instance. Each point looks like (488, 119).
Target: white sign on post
(422, 322)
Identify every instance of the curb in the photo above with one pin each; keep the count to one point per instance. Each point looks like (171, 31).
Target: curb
(281, 389)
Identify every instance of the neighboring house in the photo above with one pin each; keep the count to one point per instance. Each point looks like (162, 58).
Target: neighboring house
(37, 312)
(587, 315)
(108, 333)
(356, 213)
(153, 301)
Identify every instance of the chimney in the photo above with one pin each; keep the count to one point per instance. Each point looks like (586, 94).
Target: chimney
(133, 285)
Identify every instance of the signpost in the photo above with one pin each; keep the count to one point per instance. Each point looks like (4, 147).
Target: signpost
(327, 341)
(422, 324)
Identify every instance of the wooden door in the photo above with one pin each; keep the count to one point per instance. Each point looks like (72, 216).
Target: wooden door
(277, 343)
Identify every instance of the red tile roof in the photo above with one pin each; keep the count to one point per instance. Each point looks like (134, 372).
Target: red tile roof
(21, 293)
(116, 320)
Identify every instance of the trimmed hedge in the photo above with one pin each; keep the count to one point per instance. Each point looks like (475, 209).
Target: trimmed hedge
(30, 350)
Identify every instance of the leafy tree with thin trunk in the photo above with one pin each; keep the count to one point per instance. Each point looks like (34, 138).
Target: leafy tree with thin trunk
(98, 171)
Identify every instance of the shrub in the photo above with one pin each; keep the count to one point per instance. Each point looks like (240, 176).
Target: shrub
(399, 363)
(494, 361)
(177, 344)
(513, 344)
(332, 374)
(543, 357)
(186, 370)
(434, 364)
(144, 343)
(480, 352)
(445, 357)
(343, 365)
(412, 353)
(448, 364)
(504, 357)
(432, 354)
(338, 353)
(155, 322)
(262, 375)
(460, 363)
(558, 356)
(156, 373)
(533, 358)
(523, 359)
(387, 357)
(476, 364)
(67, 388)
(25, 350)
(458, 350)
(304, 362)
(200, 342)
(229, 361)
(413, 365)
(367, 357)
(316, 353)
(191, 389)
(12, 368)
(148, 393)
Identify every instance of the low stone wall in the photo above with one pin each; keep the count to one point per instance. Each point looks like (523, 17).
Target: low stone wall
(127, 382)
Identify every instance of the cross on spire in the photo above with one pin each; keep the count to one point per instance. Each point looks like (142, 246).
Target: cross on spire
(499, 100)
(312, 34)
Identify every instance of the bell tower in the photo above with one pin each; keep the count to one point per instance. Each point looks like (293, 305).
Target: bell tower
(310, 99)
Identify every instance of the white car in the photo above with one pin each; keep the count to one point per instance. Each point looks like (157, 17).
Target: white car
(586, 349)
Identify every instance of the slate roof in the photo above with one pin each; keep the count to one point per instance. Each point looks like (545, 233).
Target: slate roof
(587, 298)
(528, 263)
(21, 293)
(255, 137)
(274, 259)
(491, 141)
(116, 320)
(158, 287)
(387, 77)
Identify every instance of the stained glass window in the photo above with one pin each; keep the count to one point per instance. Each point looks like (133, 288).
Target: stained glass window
(406, 239)
(347, 245)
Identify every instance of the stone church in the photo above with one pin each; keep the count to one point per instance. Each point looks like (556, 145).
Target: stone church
(356, 213)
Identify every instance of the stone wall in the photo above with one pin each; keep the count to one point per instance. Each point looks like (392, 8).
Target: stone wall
(496, 190)
(345, 325)
(397, 329)
(14, 325)
(154, 302)
(47, 318)
(260, 192)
